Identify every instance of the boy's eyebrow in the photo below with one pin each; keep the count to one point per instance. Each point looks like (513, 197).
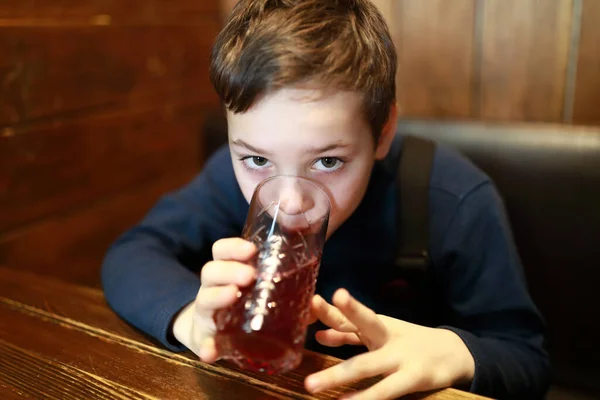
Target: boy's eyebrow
(241, 143)
(312, 150)
(325, 149)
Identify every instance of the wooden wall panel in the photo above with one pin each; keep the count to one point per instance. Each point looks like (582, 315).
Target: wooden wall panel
(434, 39)
(73, 245)
(525, 48)
(101, 107)
(54, 167)
(587, 92)
(55, 71)
(105, 12)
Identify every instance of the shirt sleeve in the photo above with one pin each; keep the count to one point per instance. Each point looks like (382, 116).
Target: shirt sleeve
(152, 271)
(489, 304)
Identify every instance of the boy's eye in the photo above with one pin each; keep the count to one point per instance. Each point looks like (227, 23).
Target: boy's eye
(259, 161)
(255, 162)
(329, 164)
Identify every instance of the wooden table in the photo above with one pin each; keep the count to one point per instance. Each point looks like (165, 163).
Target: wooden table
(61, 341)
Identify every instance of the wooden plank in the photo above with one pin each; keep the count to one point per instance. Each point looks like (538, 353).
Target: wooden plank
(524, 59)
(120, 359)
(57, 296)
(40, 377)
(587, 92)
(72, 246)
(74, 318)
(434, 39)
(58, 166)
(84, 311)
(60, 71)
(93, 361)
(105, 12)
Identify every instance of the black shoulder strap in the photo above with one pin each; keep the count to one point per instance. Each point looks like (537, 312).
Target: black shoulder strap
(412, 216)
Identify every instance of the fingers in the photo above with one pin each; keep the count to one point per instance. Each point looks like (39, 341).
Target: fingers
(331, 316)
(221, 280)
(217, 273)
(369, 325)
(233, 249)
(357, 368)
(396, 385)
(333, 338)
(214, 298)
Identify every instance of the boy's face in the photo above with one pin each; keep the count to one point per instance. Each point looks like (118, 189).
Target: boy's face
(300, 132)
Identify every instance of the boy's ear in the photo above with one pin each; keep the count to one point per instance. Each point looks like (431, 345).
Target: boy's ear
(387, 134)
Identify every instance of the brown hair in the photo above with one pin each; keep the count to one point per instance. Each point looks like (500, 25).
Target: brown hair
(339, 44)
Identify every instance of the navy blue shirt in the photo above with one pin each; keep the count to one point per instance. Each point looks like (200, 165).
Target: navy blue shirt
(475, 286)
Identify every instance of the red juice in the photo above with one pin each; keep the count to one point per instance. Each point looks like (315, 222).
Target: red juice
(264, 330)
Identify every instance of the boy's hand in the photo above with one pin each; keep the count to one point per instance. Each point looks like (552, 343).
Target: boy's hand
(221, 279)
(411, 358)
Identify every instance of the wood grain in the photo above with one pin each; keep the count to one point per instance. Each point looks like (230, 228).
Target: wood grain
(102, 356)
(52, 168)
(75, 318)
(72, 246)
(61, 72)
(101, 106)
(524, 59)
(104, 12)
(43, 378)
(64, 337)
(78, 303)
(587, 92)
(434, 39)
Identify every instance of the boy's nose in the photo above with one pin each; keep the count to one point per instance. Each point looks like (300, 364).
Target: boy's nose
(293, 200)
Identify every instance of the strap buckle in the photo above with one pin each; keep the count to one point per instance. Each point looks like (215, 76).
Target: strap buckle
(414, 263)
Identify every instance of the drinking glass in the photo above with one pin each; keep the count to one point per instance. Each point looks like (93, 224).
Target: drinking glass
(265, 329)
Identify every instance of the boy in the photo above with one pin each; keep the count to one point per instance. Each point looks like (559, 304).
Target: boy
(309, 90)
